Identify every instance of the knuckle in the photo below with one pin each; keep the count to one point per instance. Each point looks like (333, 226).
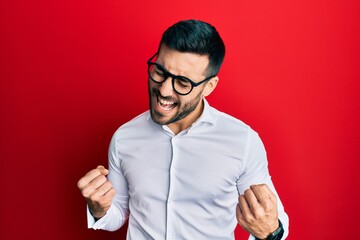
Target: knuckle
(100, 201)
(267, 207)
(241, 221)
(112, 192)
(91, 173)
(80, 183)
(85, 192)
(94, 198)
(257, 186)
(258, 213)
(96, 170)
(107, 198)
(108, 184)
(249, 219)
(104, 201)
(102, 178)
(247, 192)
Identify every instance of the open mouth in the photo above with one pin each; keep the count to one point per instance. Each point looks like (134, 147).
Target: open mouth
(165, 104)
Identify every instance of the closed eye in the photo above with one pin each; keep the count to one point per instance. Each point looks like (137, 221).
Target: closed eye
(183, 82)
(159, 73)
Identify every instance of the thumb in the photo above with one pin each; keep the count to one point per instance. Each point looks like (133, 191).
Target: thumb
(102, 170)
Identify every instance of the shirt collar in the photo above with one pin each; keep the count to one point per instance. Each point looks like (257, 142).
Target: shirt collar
(207, 115)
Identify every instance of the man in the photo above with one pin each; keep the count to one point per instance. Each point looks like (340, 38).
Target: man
(184, 170)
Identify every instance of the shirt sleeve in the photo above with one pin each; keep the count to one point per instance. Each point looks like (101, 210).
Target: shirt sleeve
(118, 213)
(257, 172)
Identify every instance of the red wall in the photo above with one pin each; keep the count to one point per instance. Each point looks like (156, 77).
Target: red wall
(72, 71)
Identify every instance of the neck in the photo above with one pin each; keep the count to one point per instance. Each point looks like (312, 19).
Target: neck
(187, 121)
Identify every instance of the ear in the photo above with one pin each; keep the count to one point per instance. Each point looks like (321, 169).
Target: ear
(210, 86)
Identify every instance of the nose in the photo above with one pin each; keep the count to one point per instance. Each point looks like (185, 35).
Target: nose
(166, 88)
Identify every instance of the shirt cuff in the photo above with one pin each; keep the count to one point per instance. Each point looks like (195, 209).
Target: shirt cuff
(97, 224)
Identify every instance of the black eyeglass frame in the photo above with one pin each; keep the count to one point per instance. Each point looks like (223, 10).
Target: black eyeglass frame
(168, 74)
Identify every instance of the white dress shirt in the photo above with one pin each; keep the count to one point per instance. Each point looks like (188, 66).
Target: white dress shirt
(183, 186)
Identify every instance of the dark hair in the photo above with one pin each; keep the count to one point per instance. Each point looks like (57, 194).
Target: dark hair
(199, 37)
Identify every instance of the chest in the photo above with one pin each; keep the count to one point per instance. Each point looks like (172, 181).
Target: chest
(184, 167)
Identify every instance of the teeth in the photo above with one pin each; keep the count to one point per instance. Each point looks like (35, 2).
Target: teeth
(165, 108)
(165, 102)
(166, 105)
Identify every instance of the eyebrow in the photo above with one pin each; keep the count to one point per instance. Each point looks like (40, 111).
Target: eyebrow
(181, 76)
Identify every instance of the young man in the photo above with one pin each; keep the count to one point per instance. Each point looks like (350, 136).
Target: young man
(184, 170)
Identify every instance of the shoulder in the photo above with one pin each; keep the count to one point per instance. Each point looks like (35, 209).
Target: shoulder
(227, 121)
(138, 120)
(230, 130)
(135, 126)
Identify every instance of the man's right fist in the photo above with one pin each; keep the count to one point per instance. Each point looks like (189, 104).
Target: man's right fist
(97, 191)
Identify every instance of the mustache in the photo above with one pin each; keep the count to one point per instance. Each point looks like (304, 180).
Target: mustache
(156, 92)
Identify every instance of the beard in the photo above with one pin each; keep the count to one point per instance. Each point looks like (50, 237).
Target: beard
(182, 109)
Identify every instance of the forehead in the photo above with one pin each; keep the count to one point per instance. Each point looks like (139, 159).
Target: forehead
(187, 64)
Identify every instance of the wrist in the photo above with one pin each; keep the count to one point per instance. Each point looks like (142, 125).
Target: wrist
(96, 213)
(275, 235)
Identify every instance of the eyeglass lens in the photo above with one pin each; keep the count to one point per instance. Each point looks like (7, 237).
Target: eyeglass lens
(158, 74)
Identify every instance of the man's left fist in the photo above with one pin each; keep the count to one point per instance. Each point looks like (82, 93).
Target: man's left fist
(257, 211)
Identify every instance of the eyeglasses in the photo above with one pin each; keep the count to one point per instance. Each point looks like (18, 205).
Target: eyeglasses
(182, 85)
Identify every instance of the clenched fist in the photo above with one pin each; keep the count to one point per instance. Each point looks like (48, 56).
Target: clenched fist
(97, 191)
(257, 211)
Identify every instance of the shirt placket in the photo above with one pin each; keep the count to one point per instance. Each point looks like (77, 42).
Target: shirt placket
(170, 231)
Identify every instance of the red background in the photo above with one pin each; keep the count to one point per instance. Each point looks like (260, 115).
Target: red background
(73, 71)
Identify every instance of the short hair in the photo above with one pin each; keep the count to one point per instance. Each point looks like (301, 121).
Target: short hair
(195, 36)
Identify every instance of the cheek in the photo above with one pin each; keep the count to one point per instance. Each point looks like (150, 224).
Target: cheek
(197, 93)
(153, 87)
(150, 83)
(191, 99)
